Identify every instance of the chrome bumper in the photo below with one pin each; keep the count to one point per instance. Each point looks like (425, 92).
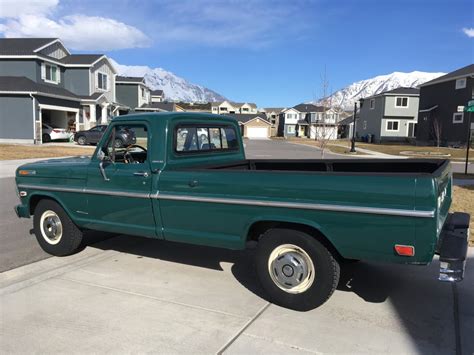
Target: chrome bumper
(452, 247)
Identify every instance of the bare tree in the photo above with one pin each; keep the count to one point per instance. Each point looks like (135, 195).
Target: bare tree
(437, 130)
(326, 124)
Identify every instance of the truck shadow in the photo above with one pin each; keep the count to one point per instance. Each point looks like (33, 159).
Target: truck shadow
(420, 304)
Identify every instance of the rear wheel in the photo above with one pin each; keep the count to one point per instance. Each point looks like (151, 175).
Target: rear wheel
(46, 138)
(295, 269)
(81, 140)
(55, 231)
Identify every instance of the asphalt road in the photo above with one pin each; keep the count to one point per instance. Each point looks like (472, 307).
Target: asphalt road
(19, 247)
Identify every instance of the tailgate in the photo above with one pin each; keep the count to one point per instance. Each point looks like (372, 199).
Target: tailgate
(443, 181)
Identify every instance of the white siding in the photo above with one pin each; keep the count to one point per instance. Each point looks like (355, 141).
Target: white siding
(55, 50)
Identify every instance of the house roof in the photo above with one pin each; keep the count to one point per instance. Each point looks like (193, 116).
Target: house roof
(347, 120)
(273, 109)
(308, 108)
(244, 118)
(468, 70)
(21, 84)
(160, 106)
(235, 104)
(81, 58)
(129, 79)
(22, 46)
(157, 93)
(403, 91)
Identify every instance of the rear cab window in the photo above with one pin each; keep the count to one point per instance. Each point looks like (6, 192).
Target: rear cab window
(194, 139)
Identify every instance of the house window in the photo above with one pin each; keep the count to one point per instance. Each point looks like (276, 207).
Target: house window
(102, 81)
(224, 109)
(364, 124)
(461, 83)
(392, 126)
(458, 117)
(290, 129)
(245, 109)
(372, 104)
(401, 102)
(214, 109)
(143, 93)
(51, 73)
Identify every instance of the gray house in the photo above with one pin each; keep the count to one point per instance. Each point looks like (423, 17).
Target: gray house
(42, 82)
(389, 116)
(442, 102)
(132, 91)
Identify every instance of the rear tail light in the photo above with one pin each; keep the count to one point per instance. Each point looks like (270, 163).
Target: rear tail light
(405, 250)
(56, 130)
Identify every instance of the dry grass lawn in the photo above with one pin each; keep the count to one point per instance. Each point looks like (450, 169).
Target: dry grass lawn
(463, 201)
(329, 147)
(13, 151)
(419, 152)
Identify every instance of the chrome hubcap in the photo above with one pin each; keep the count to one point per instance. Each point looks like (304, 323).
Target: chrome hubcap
(291, 268)
(51, 227)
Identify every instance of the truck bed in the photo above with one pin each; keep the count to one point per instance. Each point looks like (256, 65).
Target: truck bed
(365, 166)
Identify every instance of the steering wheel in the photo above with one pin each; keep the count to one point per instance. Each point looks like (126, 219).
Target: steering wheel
(128, 157)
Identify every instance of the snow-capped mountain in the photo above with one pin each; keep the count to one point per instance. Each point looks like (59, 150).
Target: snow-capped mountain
(174, 87)
(345, 97)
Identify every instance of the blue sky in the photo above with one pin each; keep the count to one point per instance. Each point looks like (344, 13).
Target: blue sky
(269, 52)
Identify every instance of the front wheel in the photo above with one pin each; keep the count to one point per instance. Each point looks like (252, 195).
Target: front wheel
(55, 231)
(295, 269)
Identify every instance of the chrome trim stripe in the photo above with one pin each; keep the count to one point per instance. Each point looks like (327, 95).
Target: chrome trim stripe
(295, 205)
(86, 191)
(233, 201)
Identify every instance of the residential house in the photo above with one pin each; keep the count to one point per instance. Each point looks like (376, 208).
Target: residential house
(132, 91)
(442, 102)
(225, 107)
(389, 116)
(253, 125)
(273, 116)
(310, 121)
(157, 96)
(42, 82)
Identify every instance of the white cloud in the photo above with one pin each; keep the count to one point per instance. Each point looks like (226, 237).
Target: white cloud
(32, 18)
(469, 31)
(15, 8)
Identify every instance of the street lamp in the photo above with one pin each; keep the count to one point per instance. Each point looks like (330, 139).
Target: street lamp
(361, 101)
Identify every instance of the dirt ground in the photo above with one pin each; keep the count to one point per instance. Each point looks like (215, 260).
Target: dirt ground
(463, 201)
(14, 151)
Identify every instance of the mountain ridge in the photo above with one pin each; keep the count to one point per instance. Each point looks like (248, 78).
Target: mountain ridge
(346, 96)
(174, 87)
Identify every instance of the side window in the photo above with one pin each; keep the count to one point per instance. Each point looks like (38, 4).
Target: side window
(204, 139)
(128, 144)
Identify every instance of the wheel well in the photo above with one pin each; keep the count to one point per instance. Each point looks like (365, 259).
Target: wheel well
(259, 228)
(34, 200)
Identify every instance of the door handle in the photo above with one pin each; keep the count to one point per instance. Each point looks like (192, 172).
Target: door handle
(193, 183)
(141, 173)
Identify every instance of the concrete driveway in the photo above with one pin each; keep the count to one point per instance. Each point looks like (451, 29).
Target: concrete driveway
(130, 294)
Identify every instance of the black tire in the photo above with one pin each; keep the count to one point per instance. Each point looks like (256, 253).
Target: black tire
(69, 240)
(118, 143)
(82, 140)
(325, 276)
(46, 138)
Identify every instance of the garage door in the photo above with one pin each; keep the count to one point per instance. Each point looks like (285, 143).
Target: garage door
(257, 132)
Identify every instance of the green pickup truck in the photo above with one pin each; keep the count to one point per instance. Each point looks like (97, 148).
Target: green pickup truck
(186, 179)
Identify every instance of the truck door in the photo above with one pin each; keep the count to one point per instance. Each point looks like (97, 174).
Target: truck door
(119, 183)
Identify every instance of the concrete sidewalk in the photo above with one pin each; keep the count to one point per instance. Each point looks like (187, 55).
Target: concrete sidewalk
(137, 295)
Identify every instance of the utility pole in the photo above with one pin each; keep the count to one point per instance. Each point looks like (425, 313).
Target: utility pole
(353, 149)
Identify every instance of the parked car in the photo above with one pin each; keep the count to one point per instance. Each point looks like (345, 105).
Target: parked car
(50, 133)
(174, 189)
(123, 137)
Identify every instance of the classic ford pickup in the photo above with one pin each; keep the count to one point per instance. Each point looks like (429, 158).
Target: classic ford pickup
(304, 217)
